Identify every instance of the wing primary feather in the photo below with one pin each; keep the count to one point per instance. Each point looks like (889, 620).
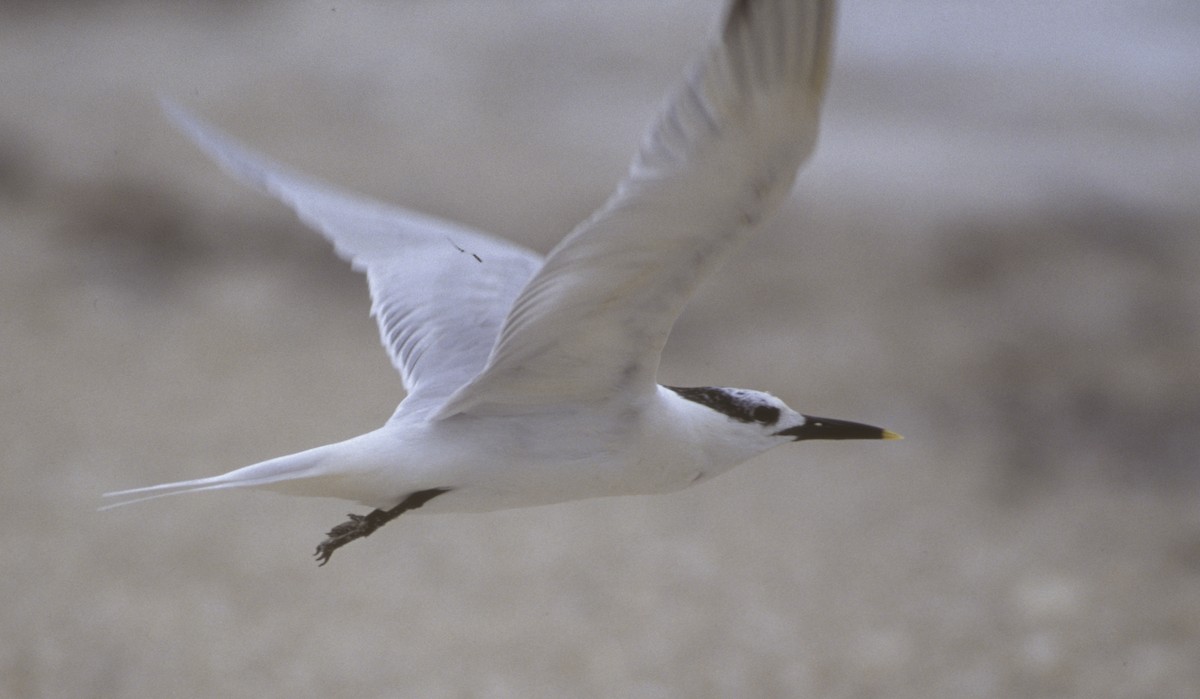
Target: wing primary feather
(721, 155)
(439, 310)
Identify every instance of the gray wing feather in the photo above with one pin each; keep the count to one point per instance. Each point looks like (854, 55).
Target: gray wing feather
(722, 154)
(439, 291)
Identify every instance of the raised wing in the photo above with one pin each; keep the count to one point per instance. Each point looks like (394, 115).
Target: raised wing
(439, 291)
(722, 154)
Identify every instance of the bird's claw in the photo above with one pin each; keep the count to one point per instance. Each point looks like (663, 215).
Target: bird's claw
(361, 526)
(357, 527)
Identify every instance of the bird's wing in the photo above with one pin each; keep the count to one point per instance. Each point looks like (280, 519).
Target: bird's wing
(722, 153)
(439, 291)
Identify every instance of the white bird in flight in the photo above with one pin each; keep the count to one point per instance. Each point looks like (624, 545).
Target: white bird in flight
(531, 380)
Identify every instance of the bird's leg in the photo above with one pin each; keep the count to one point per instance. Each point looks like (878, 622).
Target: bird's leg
(361, 526)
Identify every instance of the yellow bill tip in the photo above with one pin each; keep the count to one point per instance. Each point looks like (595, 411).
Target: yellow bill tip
(888, 434)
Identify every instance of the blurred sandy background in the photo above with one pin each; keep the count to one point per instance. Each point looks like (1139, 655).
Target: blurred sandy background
(996, 251)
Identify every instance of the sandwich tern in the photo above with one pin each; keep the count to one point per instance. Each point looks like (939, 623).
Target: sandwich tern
(532, 380)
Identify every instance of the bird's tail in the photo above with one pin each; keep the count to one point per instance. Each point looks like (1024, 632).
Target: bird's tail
(288, 474)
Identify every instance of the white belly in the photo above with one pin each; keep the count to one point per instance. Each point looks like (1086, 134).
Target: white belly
(499, 462)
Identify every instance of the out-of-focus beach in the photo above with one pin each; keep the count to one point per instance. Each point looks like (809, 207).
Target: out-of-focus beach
(995, 251)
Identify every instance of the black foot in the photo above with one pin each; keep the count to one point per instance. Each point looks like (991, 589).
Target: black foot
(361, 526)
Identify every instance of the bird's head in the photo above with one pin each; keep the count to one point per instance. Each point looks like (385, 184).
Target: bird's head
(767, 421)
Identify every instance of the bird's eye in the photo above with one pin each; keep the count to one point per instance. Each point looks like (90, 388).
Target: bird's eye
(766, 414)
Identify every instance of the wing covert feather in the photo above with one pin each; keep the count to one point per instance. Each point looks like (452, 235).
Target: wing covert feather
(439, 291)
(722, 153)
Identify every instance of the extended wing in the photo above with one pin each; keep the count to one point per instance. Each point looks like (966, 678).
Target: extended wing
(439, 291)
(722, 154)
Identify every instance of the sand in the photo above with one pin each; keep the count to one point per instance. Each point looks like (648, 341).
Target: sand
(994, 252)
